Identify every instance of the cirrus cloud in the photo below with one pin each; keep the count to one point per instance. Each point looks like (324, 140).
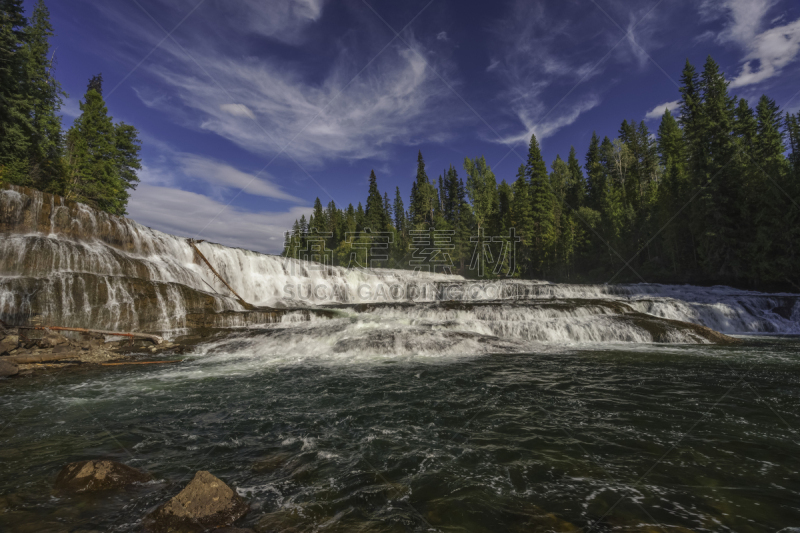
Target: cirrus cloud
(190, 214)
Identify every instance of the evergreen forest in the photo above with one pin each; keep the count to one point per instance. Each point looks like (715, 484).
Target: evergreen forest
(94, 161)
(712, 197)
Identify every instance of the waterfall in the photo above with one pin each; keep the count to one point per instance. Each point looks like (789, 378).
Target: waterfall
(63, 263)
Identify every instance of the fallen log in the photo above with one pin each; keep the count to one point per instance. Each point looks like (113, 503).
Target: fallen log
(155, 339)
(142, 363)
(31, 359)
(246, 305)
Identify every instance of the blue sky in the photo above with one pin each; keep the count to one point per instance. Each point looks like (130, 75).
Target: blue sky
(248, 110)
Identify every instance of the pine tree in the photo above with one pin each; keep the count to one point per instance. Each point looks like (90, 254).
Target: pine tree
(505, 197)
(291, 245)
(594, 173)
(423, 197)
(793, 135)
(770, 201)
(96, 83)
(717, 176)
(45, 95)
(318, 223)
(101, 157)
(674, 196)
(15, 104)
(452, 201)
(348, 231)
(576, 190)
(543, 239)
(792, 252)
(769, 147)
(442, 198)
(375, 216)
(481, 191)
(521, 219)
(334, 217)
(691, 101)
(361, 218)
(671, 145)
(91, 153)
(388, 213)
(316, 248)
(126, 161)
(563, 249)
(400, 222)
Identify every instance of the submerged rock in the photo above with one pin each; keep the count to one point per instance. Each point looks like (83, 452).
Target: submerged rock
(285, 521)
(272, 463)
(205, 503)
(670, 331)
(91, 476)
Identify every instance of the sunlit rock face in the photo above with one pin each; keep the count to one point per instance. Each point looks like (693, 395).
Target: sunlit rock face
(65, 264)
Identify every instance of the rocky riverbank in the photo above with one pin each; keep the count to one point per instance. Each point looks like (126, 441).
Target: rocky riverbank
(23, 350)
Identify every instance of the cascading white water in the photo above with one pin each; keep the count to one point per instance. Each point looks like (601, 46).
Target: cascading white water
(66, 264)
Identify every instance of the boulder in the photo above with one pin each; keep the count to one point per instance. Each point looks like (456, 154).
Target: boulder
(205, 503)
(51, 340)
(91, 476)
(8, 369)
(10, 342)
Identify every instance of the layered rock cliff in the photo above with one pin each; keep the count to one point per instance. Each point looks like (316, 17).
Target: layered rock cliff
(65, 264)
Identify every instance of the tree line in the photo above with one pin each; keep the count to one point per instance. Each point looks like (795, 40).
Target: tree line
(95, 160)
(712, 197)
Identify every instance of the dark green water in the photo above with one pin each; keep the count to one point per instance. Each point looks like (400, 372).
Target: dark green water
(637, 438)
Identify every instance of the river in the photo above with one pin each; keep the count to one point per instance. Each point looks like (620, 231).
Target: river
(563, 437)
(386, 400)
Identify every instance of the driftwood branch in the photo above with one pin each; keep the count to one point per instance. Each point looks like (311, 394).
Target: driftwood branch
(155, 339)
(142, 363)
(29, 359)
(199, 253)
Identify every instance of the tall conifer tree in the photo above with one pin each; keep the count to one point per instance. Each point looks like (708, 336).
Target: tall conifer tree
(45, 95)
(543, 239)
(15, 103)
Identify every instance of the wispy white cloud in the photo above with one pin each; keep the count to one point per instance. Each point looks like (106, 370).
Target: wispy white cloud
(547, 54)
(636, 47)
(268, 103)
(442, 36)
(544, 128)
(284, 20)
(744, 17)
(170, 167)
(151, 174)
(391, 102)
(768, 50)
(186, 213)
(71, 108)
(658, 111)
(237, 110)
(771, 51)
(222, 175)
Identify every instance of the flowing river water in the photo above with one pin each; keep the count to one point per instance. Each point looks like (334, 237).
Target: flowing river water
(616, 437)
(383, 400)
